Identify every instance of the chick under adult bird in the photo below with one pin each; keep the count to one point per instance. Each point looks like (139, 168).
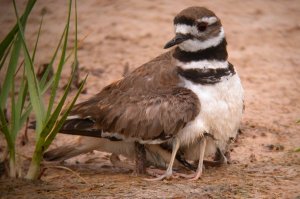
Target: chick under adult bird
(155, 154)
(188, 96)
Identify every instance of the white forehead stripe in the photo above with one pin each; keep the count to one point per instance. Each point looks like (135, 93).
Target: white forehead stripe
(185, 29)
(208, 20)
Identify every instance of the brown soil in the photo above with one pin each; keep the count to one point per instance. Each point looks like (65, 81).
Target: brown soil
(264, 45)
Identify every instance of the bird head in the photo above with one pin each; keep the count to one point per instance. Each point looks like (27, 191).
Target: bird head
(196, 28)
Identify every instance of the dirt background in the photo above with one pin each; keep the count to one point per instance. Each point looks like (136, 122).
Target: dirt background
(264, 45)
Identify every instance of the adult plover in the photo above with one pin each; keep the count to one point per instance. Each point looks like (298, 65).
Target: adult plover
(188, 96)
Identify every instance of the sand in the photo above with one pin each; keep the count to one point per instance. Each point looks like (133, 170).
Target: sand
(116, 36)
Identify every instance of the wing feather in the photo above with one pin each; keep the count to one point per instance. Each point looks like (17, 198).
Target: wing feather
(146, 104)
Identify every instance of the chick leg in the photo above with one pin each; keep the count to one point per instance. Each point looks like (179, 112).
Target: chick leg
(140, 159)
(116, 162)
(219, 160)
(201, 158)
(196, 176)
(169, 171)
(220, 157)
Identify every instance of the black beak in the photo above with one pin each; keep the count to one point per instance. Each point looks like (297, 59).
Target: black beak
(179, 38)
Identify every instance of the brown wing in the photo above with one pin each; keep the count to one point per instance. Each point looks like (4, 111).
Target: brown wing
(146, 104)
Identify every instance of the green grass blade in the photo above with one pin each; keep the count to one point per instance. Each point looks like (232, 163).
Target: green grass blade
(8, 80)
(13, 112)
(35, 95)
(5, 130)
(10, 36)
(34, 90)
(60, 65)
(61, 121)
(76, 36)
(25, 114)
(23, 90)
(44, 82)
(27, 110)
(50, 65)
(54, 116)
(37, 39)
(5, 44)
(64, 116)
(6, 54)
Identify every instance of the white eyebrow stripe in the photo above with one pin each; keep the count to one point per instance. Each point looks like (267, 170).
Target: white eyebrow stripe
(185, 29)
(209, 20)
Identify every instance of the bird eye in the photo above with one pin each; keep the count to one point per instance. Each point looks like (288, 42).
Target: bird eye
(202, 26)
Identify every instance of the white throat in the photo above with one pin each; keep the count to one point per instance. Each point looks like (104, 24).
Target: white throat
(202, 64)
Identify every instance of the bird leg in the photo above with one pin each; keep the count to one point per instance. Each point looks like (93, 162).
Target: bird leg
(168, 173)
(220, 157)
(116, 162)
(140, 158)
(196, 176)
(219, 160)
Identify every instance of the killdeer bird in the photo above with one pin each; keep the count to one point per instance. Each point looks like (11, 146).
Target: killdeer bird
(188, 96)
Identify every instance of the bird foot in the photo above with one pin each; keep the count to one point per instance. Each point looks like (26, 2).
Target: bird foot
(190, 177)
(160, 175)
(155, 172)
(167, 175)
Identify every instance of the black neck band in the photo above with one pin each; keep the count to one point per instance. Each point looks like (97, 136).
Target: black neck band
(206, 76)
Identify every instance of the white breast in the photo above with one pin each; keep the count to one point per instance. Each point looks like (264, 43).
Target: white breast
(220, 112)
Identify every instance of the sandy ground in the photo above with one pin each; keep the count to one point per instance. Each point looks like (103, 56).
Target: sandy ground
(264, 45)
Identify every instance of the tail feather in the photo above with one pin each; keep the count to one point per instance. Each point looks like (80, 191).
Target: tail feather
(83, 127)
(61, 153)
(86, 127)
(77, 126)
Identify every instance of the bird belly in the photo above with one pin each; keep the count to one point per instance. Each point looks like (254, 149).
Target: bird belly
(220, 113)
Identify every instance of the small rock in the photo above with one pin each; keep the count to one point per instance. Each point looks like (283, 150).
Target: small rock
(275, 147)
(252, 158)
(263, 134)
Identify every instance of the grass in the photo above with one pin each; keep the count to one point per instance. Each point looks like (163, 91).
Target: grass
(30, 90)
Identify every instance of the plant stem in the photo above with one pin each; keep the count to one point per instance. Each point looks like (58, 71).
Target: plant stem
(12, 162)
(34, 169)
